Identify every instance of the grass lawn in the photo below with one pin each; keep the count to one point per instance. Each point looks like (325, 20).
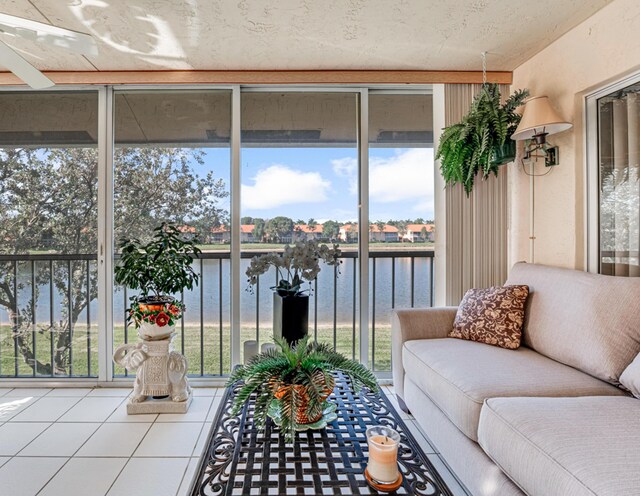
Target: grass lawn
(216, 345)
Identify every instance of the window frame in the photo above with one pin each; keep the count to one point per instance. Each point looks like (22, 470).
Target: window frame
(105, 237)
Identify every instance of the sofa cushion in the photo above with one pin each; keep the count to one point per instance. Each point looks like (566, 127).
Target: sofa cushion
(459, 375)
(492, 316)
(565, 446)
(587, 321)
(630, 378)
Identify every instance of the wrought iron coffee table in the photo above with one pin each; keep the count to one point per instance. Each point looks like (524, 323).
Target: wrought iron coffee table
(243, 460)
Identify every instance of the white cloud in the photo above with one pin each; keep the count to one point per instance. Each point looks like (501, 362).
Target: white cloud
(279, 185)
(407, 176)
(347, 167)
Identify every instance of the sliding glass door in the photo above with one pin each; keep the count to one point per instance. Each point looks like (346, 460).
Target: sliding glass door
(48, 234)
(401, 212)
(619, 181)
(172, 164)
(243, 170)
(299, 182)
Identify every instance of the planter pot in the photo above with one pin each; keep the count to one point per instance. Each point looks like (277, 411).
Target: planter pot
(290, 317)
(301, 414)
(153, 332)
(154, 304)
(505, 153)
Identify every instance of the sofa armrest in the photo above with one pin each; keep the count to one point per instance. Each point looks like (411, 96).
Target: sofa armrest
(416, 323)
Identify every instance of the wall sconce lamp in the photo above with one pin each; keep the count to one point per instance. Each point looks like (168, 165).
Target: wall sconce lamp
(538, 121)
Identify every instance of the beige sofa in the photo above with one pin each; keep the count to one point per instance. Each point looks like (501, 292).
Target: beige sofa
(546, 419)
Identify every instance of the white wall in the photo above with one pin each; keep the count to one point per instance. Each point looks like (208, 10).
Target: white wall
(602, 49)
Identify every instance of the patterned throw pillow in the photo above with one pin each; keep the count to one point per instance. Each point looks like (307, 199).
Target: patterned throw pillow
(492, 316)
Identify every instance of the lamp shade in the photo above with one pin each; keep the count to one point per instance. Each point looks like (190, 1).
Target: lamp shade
(539, 117)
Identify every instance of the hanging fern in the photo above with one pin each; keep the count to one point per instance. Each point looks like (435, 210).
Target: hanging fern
(474, 144)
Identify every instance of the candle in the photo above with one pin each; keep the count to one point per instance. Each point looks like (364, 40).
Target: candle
(267, 346)
(383, 454)
(250, 350)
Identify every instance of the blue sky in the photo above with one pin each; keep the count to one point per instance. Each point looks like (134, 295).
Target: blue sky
(321, 183)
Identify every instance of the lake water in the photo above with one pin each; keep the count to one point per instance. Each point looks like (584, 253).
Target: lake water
(215, 303)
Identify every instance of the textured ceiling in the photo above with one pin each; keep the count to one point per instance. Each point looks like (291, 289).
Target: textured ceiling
(300, 34)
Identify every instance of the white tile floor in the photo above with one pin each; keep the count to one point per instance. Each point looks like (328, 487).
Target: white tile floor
(74, 441)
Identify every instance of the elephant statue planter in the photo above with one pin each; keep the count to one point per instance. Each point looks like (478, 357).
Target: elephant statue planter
(161, 376)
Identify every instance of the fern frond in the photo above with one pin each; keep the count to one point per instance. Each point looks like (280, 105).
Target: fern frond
(469, 148)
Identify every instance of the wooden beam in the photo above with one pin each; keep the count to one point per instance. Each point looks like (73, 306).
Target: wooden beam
(266, 77)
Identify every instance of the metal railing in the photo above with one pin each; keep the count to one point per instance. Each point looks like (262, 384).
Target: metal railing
(45, 324)
(47, 302)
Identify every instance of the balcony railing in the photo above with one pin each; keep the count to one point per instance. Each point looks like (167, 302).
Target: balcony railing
(46, 307)
(48, 303)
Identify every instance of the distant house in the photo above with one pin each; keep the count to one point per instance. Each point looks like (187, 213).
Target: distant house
(220, 234)
(246, 234)
(348, 233)
(189, 232)
(419, 233)
(303, 231)
(389, 234)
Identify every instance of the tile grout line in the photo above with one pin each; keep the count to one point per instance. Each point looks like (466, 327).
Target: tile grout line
(72, 456)
(136, 448)
(6, 392)
(186, 469)
(203, 424)
(93, 433)
(43, 431)
(117, 476)
(51, 478)
(34, 402)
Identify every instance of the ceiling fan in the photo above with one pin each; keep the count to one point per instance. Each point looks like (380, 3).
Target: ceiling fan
(66, 39)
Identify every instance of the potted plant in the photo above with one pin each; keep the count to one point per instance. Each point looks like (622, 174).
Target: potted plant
(294, 265)
(292, 383)
(481, 141)
(158, 269)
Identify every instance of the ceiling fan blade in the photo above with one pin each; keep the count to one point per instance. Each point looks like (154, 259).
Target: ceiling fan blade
(13, 61)
(73, 41)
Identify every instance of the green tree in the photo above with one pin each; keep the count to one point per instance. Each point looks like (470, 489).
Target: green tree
(278, 227)
(419, 220)
(49, 199)
(330, 230)
(312, 223)
(246, 221)
(401, 225)
(156, 184)
(258, 229)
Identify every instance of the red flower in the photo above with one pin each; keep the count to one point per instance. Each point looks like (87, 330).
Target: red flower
(151, 318)
(162, 319)
(174, 310)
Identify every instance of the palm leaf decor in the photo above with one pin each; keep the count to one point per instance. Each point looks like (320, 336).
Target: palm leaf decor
(481, 141)
(300, 377)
